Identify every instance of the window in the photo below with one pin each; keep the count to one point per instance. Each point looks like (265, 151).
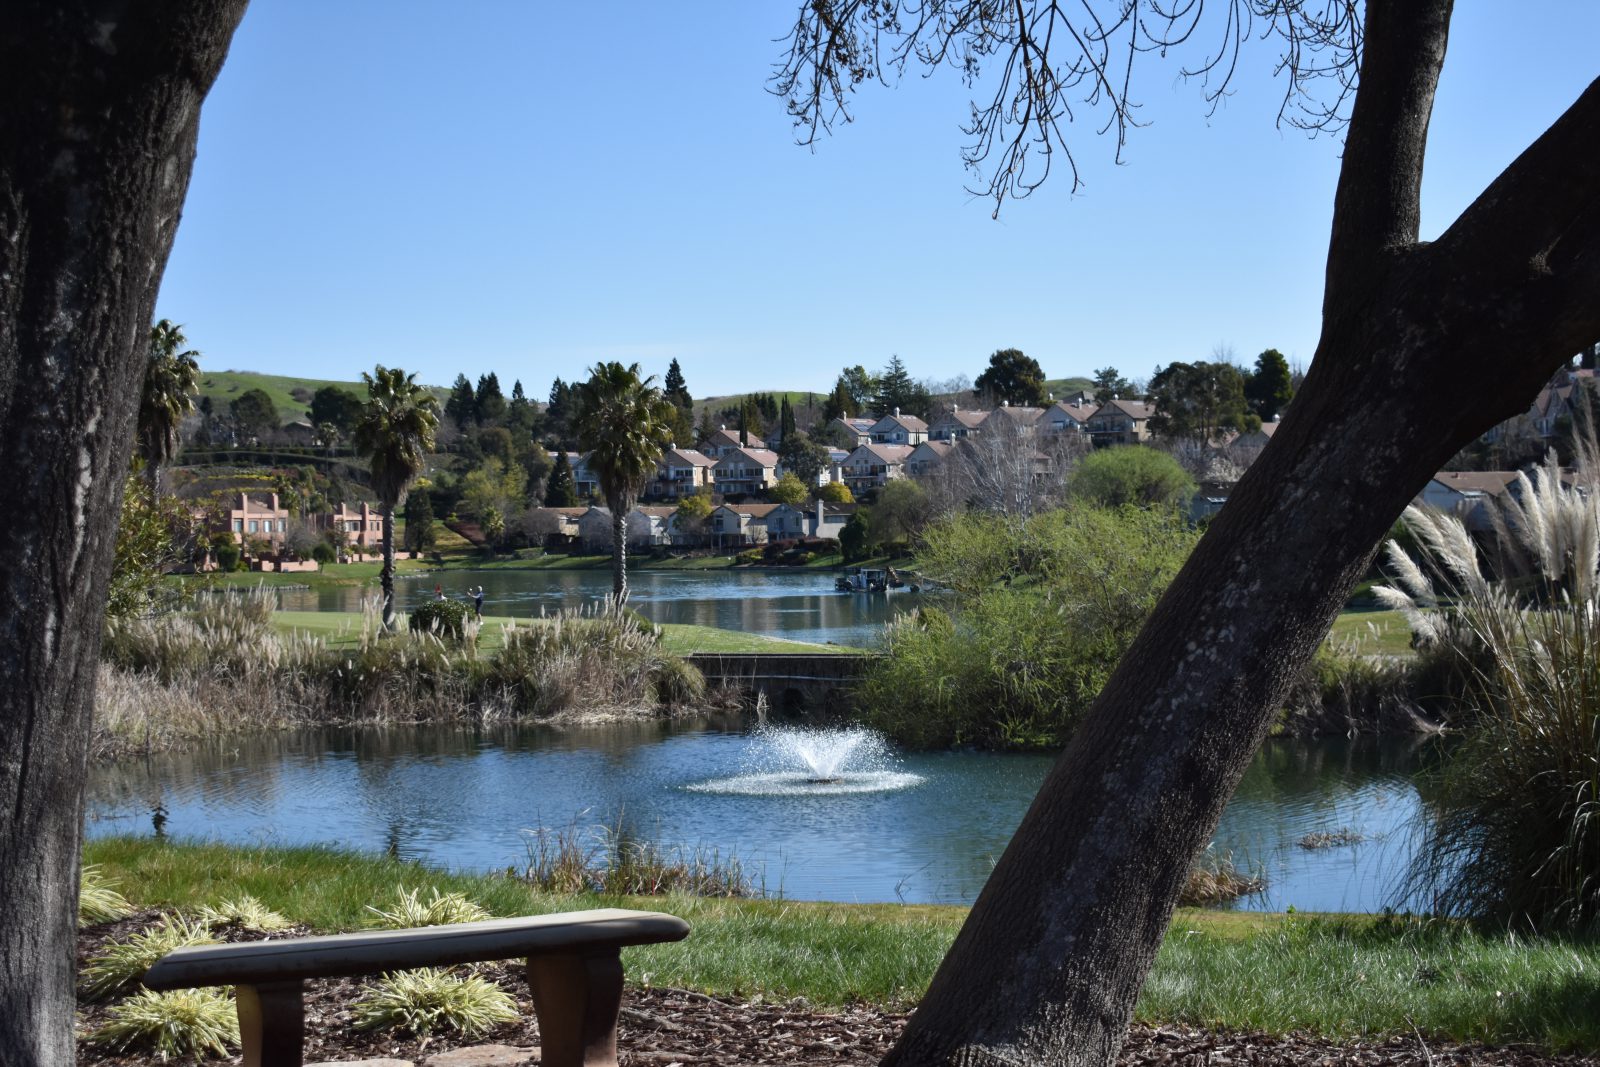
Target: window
(238, 526)
(255, 526)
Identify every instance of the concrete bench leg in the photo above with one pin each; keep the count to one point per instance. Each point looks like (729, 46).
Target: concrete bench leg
(577, 998)
(272, 1023)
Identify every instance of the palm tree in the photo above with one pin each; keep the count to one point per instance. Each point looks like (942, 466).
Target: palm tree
(396, 431)
(170, 381)
(624, 422)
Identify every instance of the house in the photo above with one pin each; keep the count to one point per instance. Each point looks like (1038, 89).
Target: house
(1120, 422)
(1558, 400)
(871, 466)
(594, 529)
(788, 522)
(651, 526)
(1006, 419)
(849, 433)
(362, 528)
(552, 527)
(927, 458)
(299, 432)
(739, 525)
(680, 472)
(898, 429)
(725, 441)
(257, 519)
(1466, 494)
(1069, 417)
(745, 471)
(1208, 499)
(956, 424)
(1256, 439)
(584, 481)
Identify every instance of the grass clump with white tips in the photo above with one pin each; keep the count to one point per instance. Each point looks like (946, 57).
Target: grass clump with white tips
(122, 964)
(427, 1001)
(244, 912)
(98, 899)
(184, 1022)
(441, 909)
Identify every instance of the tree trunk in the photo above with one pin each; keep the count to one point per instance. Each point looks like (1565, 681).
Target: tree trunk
(619, 553)
(386, 575)
(99, 114)
(1412, 364)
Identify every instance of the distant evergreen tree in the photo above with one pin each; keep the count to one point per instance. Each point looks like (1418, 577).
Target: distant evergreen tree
(520, 415)
(1109, 382)
(462, 407)
(1270, 388)
(489, 400)
(786, 425)
(896, 390)
(840, 404)
(559, 410)
(562, 491)
(863, 387)
(338, 407)
(675, 389)
(420, 534)
(767, 404)
(1012, 378)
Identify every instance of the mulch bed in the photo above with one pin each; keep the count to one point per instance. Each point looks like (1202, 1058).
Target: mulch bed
(661, 1027)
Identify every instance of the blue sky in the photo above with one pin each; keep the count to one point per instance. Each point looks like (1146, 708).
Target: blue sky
(529, 188)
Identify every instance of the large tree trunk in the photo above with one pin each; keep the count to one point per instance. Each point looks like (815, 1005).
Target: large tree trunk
(386, 574)
(619, 553)
(1423, 348)
(99, 113)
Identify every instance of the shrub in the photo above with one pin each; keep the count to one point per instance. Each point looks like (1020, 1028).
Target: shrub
(184, 1022)
(324, 553)
(422, 1002)
(123, 963)
(98, 899)
(442, 909)
(443, 618)
(244, 912)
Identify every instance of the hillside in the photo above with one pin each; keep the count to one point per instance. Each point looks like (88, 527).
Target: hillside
(291, 396)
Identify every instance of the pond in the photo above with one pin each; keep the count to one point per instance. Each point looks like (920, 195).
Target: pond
(797, 605)
(928, 833)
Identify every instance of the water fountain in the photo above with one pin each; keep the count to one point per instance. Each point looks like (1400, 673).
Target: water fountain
(806, 761)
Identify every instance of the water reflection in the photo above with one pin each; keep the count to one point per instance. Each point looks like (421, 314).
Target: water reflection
(801, 606)
(463, 798)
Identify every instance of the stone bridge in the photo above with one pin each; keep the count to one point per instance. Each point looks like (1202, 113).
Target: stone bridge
(791, 681)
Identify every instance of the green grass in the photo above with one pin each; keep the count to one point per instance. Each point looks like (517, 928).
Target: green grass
(1335, 976)
(343, 628)
(1373, 633)
(223, 386)
(1061, 387)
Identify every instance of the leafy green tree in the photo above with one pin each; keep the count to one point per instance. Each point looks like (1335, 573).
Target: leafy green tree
(861, 385)
(841, 404)
(155, 534)
(462, 407)
(420, 534)
(395, 433)
(855, 540)
(254, 412)
(623, 420)
(489, 401)
(171, 379)
(803, 457)
(493, 486)
(1131, 474)
(1109, 382)
(562, 491)
(900, 512)
(1197, 400)
(896, 391)
(1012, 378)
(789, 490)
(675, 389)
(836, 493)
(335, 406)
(1271, 387)
(693, 511)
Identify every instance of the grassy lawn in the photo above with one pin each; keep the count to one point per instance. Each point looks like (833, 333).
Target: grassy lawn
(1373, 633)
(1337, 976)
(343, 628)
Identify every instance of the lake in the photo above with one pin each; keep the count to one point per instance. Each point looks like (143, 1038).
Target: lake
(467, 799)
(797, 605)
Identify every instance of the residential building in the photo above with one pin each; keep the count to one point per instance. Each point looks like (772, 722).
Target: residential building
(649, 526)
(362, 527)
(552, 527)
(725, 441)
(1256, 438)
(1069, 417)
(594, 529)
(898, 429)
(787, 522)
(850, 433)
(956, 424)
(257, 519)
(1120, 422)
(739, 525)
(1008, 419)
(927, 458)
(680, 472)
(871, 466)
(584, 481)
(745, 471)
(1467, 494)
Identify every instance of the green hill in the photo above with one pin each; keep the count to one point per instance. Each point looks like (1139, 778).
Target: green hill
(291, 396)
(1060, 387)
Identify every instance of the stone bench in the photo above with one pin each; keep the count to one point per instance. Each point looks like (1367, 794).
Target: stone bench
(574, 970)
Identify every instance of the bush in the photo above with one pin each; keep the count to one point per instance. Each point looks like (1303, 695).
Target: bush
(1046, 607)
(442, 909)
(443, 618)
(422, 1002)
(123, 963)
(324, 553)
(244, 912)
(184, 1022)
(98, 899)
